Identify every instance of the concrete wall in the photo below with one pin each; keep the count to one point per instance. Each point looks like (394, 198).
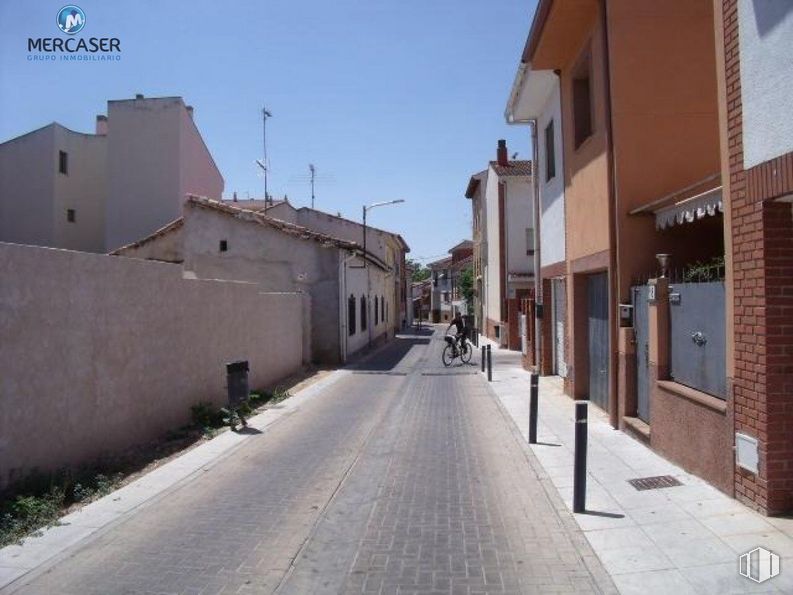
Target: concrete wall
(272, 259)
(28, 165)
(492, 274)
(552, 220)
(83, 189)
(766, 30)
(155, 156)
(519, 207)
(35, 196)
(100, 353)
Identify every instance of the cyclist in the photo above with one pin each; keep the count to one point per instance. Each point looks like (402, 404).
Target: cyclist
(461, 331)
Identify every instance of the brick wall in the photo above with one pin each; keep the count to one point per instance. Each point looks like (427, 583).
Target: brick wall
(762, 233)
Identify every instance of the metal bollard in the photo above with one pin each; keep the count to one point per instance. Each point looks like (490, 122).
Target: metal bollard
(489, 364)
(579, 472)
(483, 358)
(533, 406)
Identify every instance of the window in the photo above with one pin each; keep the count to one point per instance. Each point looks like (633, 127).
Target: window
(224, 245)
(71, 216)
(382, 309)
(351, 315)
(376, 310)
(63, 162)
(582, 101)
(550, 156)
(529, 241)
(363, 313)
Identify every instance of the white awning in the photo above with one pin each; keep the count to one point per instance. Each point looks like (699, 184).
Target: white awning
(691, 209)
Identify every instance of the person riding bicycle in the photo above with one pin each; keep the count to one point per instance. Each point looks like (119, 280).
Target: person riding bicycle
(461, 330)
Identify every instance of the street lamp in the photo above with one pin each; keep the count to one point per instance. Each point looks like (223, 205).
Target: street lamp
(367, 208)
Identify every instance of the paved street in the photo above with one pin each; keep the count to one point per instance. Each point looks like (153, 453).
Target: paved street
(403, 477)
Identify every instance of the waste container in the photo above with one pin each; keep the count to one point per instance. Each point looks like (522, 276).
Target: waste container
(237, 381)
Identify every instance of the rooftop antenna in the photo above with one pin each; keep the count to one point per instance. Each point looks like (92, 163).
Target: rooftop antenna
(313, 171)
(266, 164)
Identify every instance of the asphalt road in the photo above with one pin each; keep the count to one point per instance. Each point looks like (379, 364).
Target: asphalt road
(403, 477)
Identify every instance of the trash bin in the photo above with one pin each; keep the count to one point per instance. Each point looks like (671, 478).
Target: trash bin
(237, 381)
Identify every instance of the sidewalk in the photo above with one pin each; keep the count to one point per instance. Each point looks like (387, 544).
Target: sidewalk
(681, 540)
(98, 516)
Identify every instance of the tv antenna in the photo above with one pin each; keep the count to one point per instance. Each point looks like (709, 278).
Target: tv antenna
(265, 165)
(313, 171)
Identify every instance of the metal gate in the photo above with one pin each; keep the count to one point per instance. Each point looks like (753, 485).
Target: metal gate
(698, 341)
(559, 314)
(598, 324)
(641, 336)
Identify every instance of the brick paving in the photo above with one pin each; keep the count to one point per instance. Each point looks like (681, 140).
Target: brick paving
(404, 478)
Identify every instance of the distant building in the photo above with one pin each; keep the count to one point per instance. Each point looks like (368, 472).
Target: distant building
(446, 297)
(96, 192)
(502, 204)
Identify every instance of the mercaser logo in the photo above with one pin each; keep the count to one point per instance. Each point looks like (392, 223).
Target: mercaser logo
(759, 565)
(71, 19)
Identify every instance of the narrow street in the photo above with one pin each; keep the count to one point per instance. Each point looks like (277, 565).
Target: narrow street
(402, 477)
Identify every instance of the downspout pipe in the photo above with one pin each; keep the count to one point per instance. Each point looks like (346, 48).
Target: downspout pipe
(614, 282)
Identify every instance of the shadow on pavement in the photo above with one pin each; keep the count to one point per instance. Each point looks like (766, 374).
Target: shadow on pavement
(610, 515)
(390, 356)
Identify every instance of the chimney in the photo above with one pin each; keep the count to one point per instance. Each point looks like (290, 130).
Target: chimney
(189, 109)
(501, 153)
(101, 125)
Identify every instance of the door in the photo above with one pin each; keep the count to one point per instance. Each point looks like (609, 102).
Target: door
(559, 314)
(598, 315)
(640, 332)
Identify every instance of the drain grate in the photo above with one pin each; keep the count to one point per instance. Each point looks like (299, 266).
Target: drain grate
(654, 483)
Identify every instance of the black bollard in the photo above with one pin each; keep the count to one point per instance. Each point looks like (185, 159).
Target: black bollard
(483, 358)
(489, 364)
(579, 472)
(533, 406)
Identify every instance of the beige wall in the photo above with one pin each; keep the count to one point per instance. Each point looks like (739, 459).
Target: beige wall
(155, 157)
(102, 352)
(34, 195)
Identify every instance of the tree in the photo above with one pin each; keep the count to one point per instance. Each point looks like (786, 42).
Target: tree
(420, 272)
(467, 287)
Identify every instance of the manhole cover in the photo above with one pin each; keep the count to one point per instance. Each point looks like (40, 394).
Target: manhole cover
(654, 483)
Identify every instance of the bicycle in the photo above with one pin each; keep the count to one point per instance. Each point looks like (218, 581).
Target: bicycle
(453, 350)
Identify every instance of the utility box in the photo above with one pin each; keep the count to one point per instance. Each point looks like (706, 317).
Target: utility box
(237, 382)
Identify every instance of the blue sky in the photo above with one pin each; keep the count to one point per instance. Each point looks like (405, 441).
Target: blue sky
(389, 99)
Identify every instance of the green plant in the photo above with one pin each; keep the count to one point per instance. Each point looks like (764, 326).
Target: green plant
(467, 287)
(704, 271)
(280, 394)
(206, 416)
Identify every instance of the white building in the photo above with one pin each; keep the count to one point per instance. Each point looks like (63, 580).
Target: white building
(535, 98)
(350, 306)
(502, 202)
(96, 192)
(390, 247)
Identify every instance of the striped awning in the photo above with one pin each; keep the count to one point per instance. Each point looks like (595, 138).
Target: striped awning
(691, 209)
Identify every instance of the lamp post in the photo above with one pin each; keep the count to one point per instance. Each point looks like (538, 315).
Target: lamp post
(367, 208)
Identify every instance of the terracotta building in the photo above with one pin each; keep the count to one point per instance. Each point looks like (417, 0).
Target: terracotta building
(676, 185)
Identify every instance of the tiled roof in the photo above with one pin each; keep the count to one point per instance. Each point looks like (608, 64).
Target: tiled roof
(172, 226)
(291, 229)
(517, 167)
